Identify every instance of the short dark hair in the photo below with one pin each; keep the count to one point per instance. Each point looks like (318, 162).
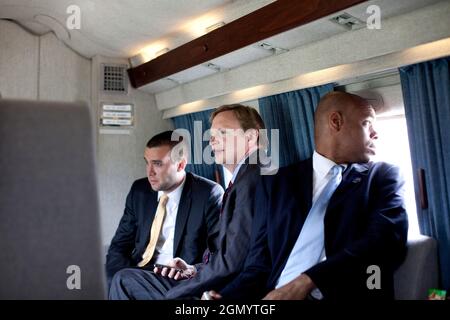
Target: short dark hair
(170, 138)
(248, 118)
(165, 139)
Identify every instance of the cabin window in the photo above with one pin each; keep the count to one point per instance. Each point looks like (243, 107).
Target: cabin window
(393, 147)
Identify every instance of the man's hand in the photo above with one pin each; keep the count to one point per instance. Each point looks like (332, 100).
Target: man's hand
(177, 269)
(211, 295)
(297, 289)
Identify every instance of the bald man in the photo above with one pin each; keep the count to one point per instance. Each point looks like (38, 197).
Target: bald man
(333, 226)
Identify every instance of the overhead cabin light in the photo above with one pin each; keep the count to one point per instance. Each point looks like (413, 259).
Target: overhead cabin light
(271, 48)
(137, 60)
(161, 52)
(266, 46)
(214, 26)
(146, 55)
(152, 51)
(200, 25)
(213, 66)
(173, 80)
(348, 21)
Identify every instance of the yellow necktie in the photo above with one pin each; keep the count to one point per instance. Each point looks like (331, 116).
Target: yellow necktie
(155, 230)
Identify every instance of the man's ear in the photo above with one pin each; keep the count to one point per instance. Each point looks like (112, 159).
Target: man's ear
(335, 121)
(252, 136)
(182, 164)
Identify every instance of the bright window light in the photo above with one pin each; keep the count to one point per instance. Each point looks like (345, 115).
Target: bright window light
(393, 147)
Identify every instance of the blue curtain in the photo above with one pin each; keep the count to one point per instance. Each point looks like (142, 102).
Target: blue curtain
(187, 122)
(292, 113)
(426, 94)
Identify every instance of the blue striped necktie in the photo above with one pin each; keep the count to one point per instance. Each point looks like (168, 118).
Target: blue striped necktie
(310, 243)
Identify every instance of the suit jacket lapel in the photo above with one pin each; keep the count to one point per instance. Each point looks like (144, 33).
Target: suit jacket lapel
(306, 189)
(299, 196)
(351, 179)
(183, 212)
(300, 185)
(303, 184)
(241, 172)
(226, 213)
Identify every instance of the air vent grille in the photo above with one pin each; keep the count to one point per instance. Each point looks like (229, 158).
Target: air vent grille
(114, 78)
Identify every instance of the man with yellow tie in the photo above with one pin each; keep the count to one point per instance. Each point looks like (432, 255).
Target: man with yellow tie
(162, 219)
(238, 144)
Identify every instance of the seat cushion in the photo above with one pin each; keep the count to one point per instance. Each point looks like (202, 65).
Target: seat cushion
(419, 271)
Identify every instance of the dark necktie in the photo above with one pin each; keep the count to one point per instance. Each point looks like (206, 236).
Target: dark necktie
(225, 196)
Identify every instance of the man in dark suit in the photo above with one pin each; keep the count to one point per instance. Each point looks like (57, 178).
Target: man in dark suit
(235, 139)
(319, 233)
(189, 223)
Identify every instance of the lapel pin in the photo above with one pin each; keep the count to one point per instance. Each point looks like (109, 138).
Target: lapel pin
(356, 180)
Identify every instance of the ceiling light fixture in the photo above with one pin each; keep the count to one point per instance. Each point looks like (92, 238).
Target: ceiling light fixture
(347, 21)
(198, 27)
(137, 60)
(214, 26)
(271, 48)
(213, 66)
(162, 51)
(173, 80)
(146, 55)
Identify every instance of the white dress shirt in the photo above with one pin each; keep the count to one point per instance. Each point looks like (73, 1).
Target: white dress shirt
(321, 168)
(236, 170)
(164, 247)
(321, 177)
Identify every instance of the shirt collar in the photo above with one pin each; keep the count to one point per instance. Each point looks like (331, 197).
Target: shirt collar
(236, 170)
(322, 165)
(175, 195)
(239, 165)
